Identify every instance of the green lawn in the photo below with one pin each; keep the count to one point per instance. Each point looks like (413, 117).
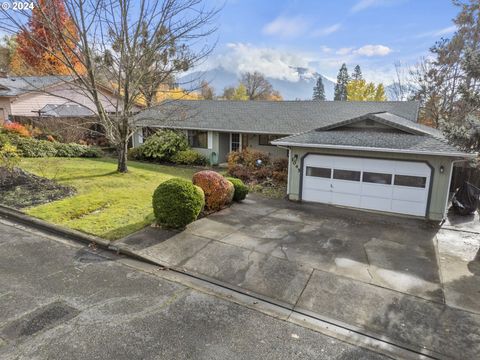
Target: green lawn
(107, 204)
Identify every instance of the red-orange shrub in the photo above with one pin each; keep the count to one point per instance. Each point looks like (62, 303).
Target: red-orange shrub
(218, 190)
(16, 128)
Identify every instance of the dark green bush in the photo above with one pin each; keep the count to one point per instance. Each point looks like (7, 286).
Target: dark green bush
(241, 190)
(30, 147)
(135, 153)
(163, 145)
(189, 157)
(177, 202)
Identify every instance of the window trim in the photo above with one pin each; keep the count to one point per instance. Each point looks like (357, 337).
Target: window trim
(355, 171)
(239, 141)
(391, 175)
(316, 176)
(425, 178)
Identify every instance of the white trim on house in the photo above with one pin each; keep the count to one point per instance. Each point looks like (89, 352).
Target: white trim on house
(366, 148)
(210, 140)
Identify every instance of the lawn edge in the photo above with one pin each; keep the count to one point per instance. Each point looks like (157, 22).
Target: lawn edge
(9, 213)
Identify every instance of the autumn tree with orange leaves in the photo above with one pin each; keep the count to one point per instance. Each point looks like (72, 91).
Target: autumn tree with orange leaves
(46, 46)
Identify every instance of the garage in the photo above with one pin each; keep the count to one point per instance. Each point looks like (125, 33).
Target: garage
(384, 185)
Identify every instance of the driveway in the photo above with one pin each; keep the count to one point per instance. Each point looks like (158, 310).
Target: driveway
(407, 279)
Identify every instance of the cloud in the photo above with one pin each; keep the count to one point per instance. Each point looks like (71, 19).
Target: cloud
(274, 63)
(438, 32)
(344, 51)
(327, 30)
(286, 27)
(365, 4)
(373, 50)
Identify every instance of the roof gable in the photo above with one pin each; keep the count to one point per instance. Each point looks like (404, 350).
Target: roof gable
(385, 119)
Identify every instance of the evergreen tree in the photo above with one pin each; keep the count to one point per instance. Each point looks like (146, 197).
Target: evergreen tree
(319, 90)
(357, 73)
(341, 85)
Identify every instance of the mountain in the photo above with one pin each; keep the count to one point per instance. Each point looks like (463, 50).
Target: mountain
(220, 78)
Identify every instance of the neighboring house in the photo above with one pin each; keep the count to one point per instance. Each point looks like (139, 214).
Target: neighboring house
(32, 95)
(369, 155)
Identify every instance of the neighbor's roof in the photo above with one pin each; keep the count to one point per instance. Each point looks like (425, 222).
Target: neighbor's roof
(400, 136)
(274, 117)
(66, 110)
(18, 85)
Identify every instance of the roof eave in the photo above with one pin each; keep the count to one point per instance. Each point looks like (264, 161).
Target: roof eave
(211, 129)
(366, 148)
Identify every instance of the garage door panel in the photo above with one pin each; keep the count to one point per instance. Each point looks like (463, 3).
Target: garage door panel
(409, 194)
(376, 203)
(374, 184)
(408, 207)
(346, 199)
(377, 190)
(346, 187)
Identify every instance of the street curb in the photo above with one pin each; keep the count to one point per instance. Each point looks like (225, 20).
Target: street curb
(15, 215)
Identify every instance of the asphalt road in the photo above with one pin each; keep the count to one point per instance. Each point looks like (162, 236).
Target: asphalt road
(62, 300)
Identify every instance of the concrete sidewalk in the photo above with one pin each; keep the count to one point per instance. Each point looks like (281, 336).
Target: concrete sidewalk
(268, 248)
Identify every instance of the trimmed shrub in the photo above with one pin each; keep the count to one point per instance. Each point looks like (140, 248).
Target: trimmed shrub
(218, 190)
(163, 145)
(241, 190)
(30, 147)
(177, 202)
(189, 157)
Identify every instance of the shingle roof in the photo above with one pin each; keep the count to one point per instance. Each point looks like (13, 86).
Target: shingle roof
(16, 85)
(275, 117)
(66, 110)
(372, 139)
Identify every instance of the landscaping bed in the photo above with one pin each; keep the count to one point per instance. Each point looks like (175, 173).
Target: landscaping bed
(20, 189)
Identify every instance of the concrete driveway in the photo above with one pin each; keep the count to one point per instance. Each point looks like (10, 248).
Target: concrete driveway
(407, 279)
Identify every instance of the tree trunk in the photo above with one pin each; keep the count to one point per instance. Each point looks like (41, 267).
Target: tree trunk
(122, 157)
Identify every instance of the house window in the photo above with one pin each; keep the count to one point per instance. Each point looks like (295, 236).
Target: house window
(198, 139)
(266, 139)
(235, 142)
(147, 132)
(411, 181)
(2, 114)
(349, 175)
(377, 178)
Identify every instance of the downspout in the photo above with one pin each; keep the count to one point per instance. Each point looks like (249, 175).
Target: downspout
(289, 161)
(445, 211)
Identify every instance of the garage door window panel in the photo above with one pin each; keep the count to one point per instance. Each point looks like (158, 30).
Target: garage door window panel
(377, 178)
(319, 172)
(410, 181)
(349, 175)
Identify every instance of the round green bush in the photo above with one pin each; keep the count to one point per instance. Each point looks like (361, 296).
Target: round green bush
(177, 202)
(241, 190)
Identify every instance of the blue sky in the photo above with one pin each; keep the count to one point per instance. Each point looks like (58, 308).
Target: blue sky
(271, 35)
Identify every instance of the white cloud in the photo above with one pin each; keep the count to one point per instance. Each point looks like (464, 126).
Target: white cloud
(327, 30)
(286, 27)
(373, 50)
(274, 63)
(437, 33)
(344, 51)
(365, 4)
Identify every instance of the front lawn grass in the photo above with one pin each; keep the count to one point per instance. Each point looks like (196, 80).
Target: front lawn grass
(107, 204)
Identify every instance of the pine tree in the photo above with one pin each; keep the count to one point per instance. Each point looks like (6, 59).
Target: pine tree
(341, 85)
(319, 90)
(357, 73)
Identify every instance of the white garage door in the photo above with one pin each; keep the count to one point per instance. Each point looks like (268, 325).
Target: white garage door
(384, 185)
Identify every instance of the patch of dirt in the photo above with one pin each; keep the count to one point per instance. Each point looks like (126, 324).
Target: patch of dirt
(20, 189)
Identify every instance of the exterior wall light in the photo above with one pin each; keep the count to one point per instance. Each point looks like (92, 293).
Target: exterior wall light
(442, 169)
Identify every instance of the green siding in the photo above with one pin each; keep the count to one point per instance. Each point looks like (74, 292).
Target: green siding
(439, 185)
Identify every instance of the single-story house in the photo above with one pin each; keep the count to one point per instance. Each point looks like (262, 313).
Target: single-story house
(35, 96)
(368, 155)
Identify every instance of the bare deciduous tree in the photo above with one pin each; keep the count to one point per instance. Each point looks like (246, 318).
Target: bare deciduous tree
(128, 46)
(258, 88)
